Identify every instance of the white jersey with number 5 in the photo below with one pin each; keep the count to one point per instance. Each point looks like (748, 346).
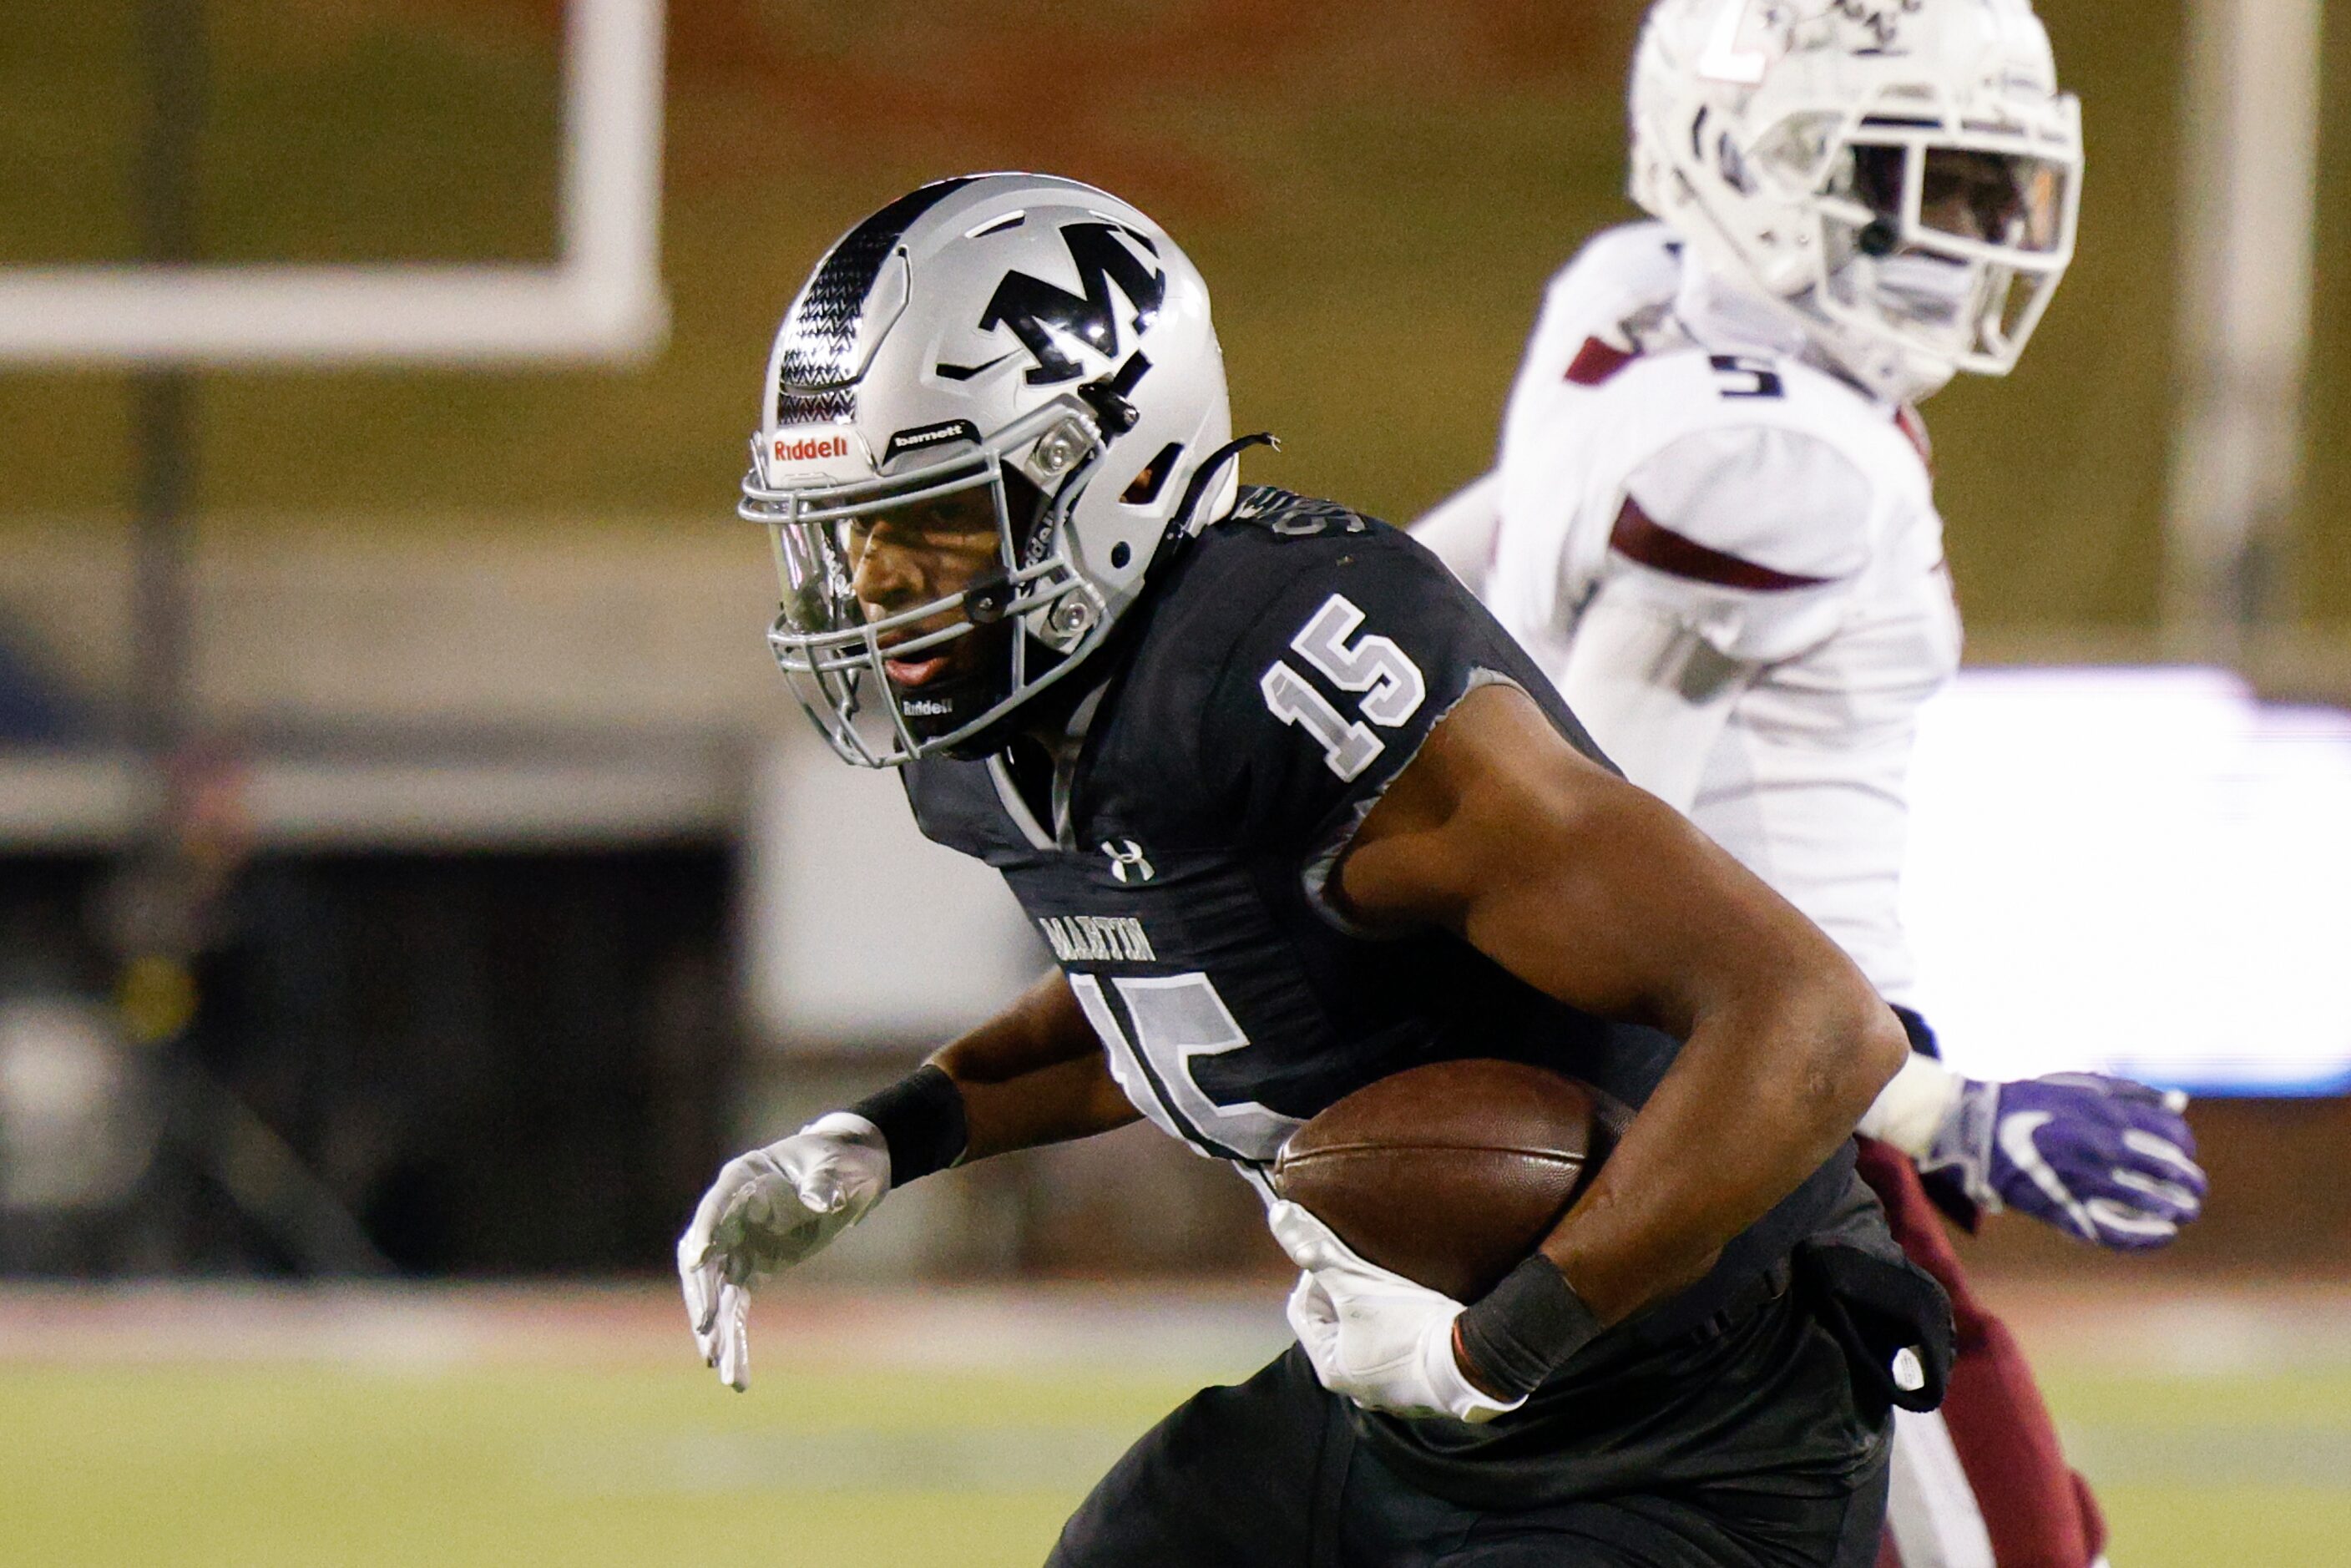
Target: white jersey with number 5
(1729, 560)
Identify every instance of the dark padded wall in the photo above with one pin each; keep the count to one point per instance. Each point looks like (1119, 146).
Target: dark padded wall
(499, 1062)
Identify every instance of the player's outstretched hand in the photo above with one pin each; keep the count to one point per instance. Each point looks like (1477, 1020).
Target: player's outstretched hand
(767, 1210)
(2102, 1159)
(1373, 1336)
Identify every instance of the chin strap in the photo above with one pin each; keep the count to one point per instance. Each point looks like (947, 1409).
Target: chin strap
(1106, 399)
(1106, 396)
(1180, 525)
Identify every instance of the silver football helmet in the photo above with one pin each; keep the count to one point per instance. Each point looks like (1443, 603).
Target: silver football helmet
(991, 408)
(1903, 175)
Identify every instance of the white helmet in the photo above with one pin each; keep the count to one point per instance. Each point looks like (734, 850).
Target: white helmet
(1805, 146)
(1013, 344)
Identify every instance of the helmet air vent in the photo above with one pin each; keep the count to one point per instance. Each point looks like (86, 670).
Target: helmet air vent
(1146, 485)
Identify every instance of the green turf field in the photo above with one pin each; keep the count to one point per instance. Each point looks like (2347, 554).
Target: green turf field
(259, 1461)
(2215, 1470)
(309, 1466)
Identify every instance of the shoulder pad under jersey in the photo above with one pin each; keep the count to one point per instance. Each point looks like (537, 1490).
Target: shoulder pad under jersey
(1287, 515)
(1753, 494)
(1620, 279)
(1295, 661)
(1743, 492)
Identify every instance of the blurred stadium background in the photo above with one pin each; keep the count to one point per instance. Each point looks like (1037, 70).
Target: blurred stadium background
(413, 879)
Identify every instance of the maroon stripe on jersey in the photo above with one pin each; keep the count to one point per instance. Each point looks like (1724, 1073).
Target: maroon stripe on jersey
(1637, 538)
(1913, 425)
(1596, 361)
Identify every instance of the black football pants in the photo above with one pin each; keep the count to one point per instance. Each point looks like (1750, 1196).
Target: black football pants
(1269, 1474)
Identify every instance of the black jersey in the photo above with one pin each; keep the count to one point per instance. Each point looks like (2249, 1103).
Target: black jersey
(1290, 665)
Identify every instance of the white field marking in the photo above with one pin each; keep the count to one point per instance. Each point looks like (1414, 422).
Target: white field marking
(601, 302)
(2253, 1327)
(1145, 1327)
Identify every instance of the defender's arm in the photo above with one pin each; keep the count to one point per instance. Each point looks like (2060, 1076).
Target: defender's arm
(1599, 894)
(1655, 694)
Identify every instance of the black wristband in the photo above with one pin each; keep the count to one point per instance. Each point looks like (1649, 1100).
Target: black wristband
(1525, 1328)
(921, 1119)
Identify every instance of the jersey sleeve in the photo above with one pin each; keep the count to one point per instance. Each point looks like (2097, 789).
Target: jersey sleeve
(1656, 697)
(1753, 536)
(1342, 672)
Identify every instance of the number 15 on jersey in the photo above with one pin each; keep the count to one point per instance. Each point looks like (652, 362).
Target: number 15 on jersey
(1392, 685)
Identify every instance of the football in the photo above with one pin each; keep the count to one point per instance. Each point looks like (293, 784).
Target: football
(1449, 1174)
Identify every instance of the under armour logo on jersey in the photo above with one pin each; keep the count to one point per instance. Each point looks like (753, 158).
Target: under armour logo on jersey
(1126, 861)
(1053, 323)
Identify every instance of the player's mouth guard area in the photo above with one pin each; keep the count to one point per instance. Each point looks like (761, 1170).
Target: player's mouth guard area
(835, 659)
(2013, 280)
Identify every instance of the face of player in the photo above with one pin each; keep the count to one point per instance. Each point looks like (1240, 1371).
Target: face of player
(934, 548)
(1990, 197)
(1995, 198)
(1931, 282)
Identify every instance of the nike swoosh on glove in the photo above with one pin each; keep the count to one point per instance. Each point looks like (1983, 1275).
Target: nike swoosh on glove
(1373, 1336)
(2102, 1159)
(767, 1210)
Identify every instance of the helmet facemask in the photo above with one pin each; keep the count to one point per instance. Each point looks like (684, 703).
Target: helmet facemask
(920, 607)
(1947, 245)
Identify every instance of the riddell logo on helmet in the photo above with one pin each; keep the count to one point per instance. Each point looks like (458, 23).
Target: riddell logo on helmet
(809, 448)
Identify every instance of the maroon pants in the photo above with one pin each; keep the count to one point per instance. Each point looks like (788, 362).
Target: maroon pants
(2035, 1510)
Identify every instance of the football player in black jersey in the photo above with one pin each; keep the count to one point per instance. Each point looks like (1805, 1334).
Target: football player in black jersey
(1294, 814)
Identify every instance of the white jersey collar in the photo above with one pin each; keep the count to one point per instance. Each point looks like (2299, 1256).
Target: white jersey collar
(1721, 314)
(1727, 317)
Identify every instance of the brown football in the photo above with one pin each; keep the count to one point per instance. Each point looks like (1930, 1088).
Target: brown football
(1449, 1174)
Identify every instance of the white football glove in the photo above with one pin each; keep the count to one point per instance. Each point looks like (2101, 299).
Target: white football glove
(767, 1210)
(1373, 1336)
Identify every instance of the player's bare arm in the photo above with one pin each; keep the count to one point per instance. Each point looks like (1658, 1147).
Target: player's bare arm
(1034, 1075)
(1597, 893)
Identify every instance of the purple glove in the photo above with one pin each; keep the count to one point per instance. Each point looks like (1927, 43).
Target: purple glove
(2102, 1159)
